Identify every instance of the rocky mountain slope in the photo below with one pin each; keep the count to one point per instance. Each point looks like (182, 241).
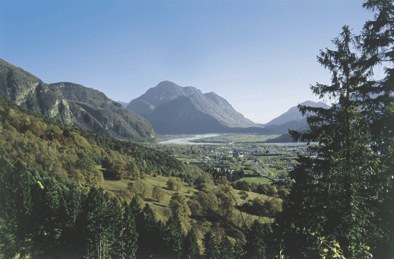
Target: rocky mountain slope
(173, 109)
(71, 104)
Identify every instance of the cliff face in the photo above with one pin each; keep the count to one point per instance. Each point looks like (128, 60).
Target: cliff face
(71, 104)
(29, 92)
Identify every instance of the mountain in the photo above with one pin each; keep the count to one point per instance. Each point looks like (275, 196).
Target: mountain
(29, 92)
(71, 104)
(93, 110)
(292, 119)
(55, 148)
(173, 109)
(124, 104)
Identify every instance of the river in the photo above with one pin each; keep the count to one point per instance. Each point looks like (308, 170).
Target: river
(190, 140)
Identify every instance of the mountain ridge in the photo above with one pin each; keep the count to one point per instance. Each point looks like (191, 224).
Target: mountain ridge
(291, 119)
(84, 107)
(210, 108)
(293, 114)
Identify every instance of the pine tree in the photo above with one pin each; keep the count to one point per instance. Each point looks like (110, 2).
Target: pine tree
(180, 213)
(15, 209)
(130, 235)
(377, 42)
(124, 234)
(101, 215)
(190, 246)
(327, 208)
(150, 233)
(211, 247)
(257, 238)
(174, 236)
(226, 249)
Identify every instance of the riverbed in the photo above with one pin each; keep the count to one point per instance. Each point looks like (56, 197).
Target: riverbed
(189, 139)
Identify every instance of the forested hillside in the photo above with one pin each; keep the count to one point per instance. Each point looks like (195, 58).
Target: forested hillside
(89, 195)
(75, 155)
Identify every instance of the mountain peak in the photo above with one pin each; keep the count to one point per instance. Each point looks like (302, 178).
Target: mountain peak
(167, 102)
(292, 119)
(211, 94)
(165, 83)
(314, 104)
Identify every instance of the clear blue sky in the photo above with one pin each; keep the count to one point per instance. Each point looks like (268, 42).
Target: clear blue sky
(258, 54)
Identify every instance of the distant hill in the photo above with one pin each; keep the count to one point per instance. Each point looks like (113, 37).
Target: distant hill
(292, 119)
(124, 104)
(72, 104)
(173, 109)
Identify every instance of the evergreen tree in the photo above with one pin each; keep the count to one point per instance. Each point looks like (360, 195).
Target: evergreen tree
(174, 236)
(28, 196)
(150, 233)
(226, 249)
(190, 248)
(129, 235)
(180, 213)
(257, 240)
(125, 234)
(333, 208)
(211, 247)
(377, 42)
(15, 209)
(101, 213)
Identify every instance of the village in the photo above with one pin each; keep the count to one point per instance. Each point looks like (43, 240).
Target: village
(253, 161)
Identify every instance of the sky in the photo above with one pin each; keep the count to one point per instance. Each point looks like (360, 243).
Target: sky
(260, 55)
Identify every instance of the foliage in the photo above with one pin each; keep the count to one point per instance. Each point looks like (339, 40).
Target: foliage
(74, 154)
(190, 246)
(95, 223)
(157, 193)
(68, 220)
(267, 207)
(138, 188)
(258, 240)
(173, 184)
(211, 246)
(335, 206)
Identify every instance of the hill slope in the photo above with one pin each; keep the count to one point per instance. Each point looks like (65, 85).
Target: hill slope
(175, 109)
(73, 154)
(71, 104)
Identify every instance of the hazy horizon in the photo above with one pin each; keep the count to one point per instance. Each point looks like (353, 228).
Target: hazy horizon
(259, 55)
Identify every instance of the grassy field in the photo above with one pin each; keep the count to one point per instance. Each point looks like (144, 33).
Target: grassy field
(120, 188)
(258, 180)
